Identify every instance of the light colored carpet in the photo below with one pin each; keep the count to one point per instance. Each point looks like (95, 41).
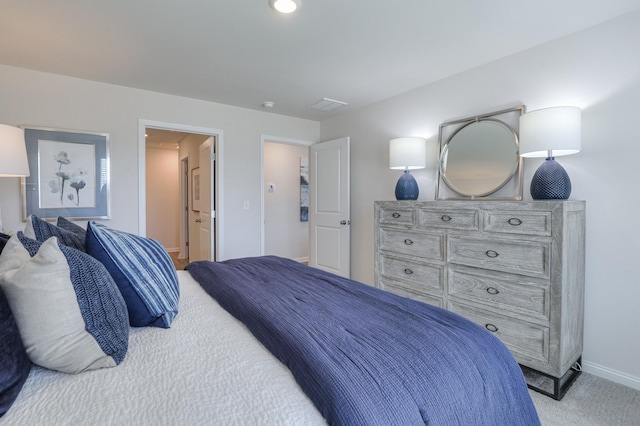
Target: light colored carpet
(591, 401)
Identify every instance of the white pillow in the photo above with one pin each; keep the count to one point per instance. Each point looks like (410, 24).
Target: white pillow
(47, 310)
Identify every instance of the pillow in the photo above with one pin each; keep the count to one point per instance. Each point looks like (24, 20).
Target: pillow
(69, 311)
(71, 227)
(38, 229)
(143, 271)
(14, 363)
(3, 240)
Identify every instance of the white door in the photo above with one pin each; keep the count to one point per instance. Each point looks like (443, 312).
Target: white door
(207, 197)
(329, 208)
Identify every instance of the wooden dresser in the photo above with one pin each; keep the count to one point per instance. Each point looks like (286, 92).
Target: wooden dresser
(514, 267)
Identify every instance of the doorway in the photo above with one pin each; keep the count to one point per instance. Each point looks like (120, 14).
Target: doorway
(166, 210)
(285, 228)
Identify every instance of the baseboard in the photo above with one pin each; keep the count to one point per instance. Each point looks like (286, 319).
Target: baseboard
(304, 260)
(173, 250)
(613, 375)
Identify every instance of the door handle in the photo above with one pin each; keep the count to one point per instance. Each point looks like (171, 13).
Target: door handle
(345, 222)
(198, 220)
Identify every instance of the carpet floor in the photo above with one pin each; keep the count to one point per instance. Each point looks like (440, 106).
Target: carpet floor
(591, 401)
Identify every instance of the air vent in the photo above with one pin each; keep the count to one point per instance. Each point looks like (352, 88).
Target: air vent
(326, 104)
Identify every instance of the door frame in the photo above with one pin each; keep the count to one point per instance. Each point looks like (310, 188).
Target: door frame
(275, 139)
(217, 134)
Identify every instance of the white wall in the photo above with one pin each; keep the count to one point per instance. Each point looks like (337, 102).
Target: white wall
(163, 197)
(597, 70)
(285, 235)
(49, 100)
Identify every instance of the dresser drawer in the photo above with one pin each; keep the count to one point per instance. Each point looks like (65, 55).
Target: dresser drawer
(414, 243)
(397, 216)
(516, 294)
(411, 292)
(520, 257)
(419, 274)
(523, 223)
(448, 219)
(528, 340)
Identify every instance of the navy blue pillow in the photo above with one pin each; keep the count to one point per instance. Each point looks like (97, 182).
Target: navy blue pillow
(44, 230)
(14, 362)
(71, 227)
(142, 270)
(3, 240)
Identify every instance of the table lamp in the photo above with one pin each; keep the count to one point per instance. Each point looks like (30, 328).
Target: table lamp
(407, 154)
(13, 154)
(550, 133)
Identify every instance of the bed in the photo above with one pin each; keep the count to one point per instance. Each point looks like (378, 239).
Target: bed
(206, 369)
(228, 343)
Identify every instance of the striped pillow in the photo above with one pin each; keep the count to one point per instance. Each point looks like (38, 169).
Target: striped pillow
(143, 272)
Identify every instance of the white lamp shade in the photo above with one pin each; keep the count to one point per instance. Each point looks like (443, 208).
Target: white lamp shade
(13, 152)
(557, 129)
(407, 153)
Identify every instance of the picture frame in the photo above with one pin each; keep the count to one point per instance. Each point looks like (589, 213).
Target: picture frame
(70, 174)
(304, 189)
(195, 189)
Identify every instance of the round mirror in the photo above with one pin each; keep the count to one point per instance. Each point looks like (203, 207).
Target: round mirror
(479, 158)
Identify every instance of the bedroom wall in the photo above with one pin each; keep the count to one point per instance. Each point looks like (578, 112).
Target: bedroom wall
(42, 99)
(163, 197)
(598, 70)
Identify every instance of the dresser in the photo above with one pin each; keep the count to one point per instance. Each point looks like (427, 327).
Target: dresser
(516, 268)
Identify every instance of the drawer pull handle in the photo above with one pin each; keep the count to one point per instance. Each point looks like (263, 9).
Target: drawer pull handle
(445, 218)
(491, 253)
(492, 290)
(492, 328)
(408, 271)
(408, 242)
(514, 221)
(396, 215)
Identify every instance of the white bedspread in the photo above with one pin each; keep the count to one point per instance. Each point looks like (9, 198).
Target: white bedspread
(207, 369)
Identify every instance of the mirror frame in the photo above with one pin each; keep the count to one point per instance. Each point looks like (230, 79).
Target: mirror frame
(511, 189)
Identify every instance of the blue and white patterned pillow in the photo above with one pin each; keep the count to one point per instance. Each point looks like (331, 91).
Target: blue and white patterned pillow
(143, 271)
(41, 230)
(70, 313)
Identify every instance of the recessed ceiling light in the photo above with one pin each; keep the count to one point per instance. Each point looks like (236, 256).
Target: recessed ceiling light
(284, 6)
(268, 104)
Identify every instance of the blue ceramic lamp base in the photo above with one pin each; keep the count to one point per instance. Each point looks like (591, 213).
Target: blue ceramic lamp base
(407, 187)
(550, 182)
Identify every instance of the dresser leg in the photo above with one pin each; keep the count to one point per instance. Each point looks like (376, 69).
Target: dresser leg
(537, 380)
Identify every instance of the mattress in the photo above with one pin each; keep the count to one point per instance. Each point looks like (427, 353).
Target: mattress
(206, 369)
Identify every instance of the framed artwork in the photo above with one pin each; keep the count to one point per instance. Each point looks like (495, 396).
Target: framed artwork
(69, 174)
(195, 189)
(304, 189)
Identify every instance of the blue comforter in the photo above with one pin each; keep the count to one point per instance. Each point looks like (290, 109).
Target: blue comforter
(368, 357)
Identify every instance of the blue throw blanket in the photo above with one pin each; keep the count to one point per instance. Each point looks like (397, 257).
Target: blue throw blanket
(367, 357)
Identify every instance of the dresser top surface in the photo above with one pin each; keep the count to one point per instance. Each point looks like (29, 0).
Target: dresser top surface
(487, 205)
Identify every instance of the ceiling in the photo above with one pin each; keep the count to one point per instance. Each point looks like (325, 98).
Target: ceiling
(243, 53)
(163, 139)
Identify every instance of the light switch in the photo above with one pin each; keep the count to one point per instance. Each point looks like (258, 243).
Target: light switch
(272, 187)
